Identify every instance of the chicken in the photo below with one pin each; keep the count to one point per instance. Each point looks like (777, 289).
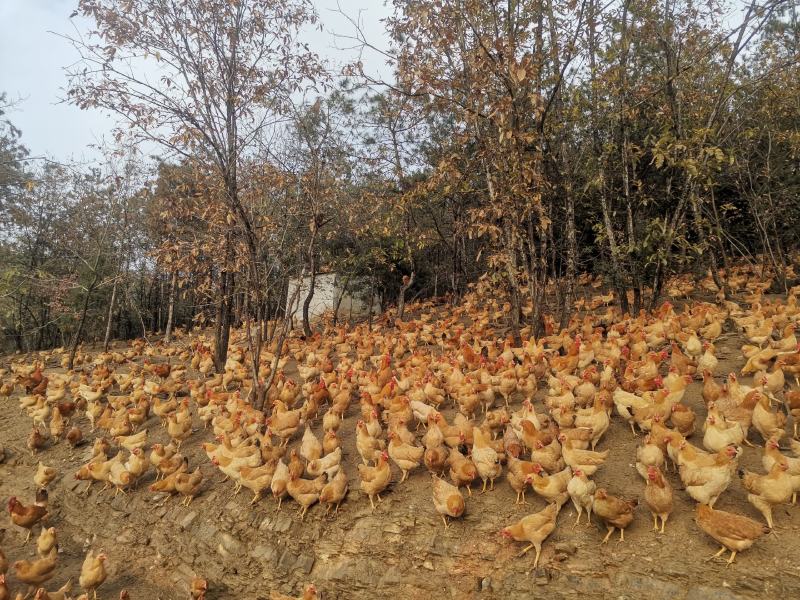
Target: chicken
(720, 433)
(375, 479)
(93, 573)
(279, 480)
(649, 454)
(369, 448)
(129, 442)
(485, 458)
(682, 419)
(188, 484)
(328, 464)
(585, 460)
(735, 532)
(284, 424)
(769, 424)
(405, 456)
(462, 470)
(35, 572)
(61, 593)
(447, 500)
(179, 430)
(766, 491)
(36, 440)
(706, 476)
(198, 588)
(44, 475)
(310, 446)
(549, 456)
(334, 492)
(711, 389)
(309, 593)
(47, 541)
(435, 457)
(534, 529)
(517, 474)
(27, 517)
(615, 512)
(708, 361)
(552, 488)
(658, 497)
(74, 436)
(581, 490)
(304, 491)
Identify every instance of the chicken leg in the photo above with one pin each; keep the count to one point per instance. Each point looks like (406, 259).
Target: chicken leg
(611, 529)
(764, 507)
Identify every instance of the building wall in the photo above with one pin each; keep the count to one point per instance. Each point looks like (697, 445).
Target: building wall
(326, 290)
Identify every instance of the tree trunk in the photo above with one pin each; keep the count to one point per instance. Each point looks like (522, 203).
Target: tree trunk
(76, 340)
(110, 317)
(222, 330)
(408, 281)
(339, 301)
(312, 283)
(371, 303)
(173, 290)
(572, 255)
(260, 400)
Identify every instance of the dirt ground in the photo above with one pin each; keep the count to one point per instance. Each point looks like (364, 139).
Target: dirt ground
(156, 546)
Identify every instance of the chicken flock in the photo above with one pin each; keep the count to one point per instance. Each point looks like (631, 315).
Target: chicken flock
(441, 393)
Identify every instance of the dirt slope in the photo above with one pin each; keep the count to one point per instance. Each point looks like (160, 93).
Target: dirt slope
(399, 550)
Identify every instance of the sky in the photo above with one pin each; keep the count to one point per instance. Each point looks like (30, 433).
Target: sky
(32, 61)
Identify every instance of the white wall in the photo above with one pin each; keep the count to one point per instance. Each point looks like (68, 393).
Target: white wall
(326, 290)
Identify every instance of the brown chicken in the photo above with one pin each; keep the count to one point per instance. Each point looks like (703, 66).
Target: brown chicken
(518, 471)
(766, 491)
(375, 479)
(35, 572)
(334, 492)
(198, 589)
(682, 419)
(711, 389)
(615, 512)
(188, 484)
(462, 470)
(735, 532)
(74, 436)
(309, 593)
(36, 440)
(658, 497)
(62, 593)
(534, 529)
(447, 499)
(28, 516)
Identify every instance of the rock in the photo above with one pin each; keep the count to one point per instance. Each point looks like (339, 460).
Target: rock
(392, 528)
(305, 563)
(230, 543)
(427, 565)
(486, 584)
(702, 592)
(187, 520)
(286, 560)
(126, 537)
(568, 548)
(207, 532)
(639, 586)
(282, 523)
(263, 553)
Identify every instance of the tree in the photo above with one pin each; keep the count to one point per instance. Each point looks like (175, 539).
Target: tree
(225, 72)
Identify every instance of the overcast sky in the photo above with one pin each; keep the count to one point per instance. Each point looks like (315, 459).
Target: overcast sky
(32, 61)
